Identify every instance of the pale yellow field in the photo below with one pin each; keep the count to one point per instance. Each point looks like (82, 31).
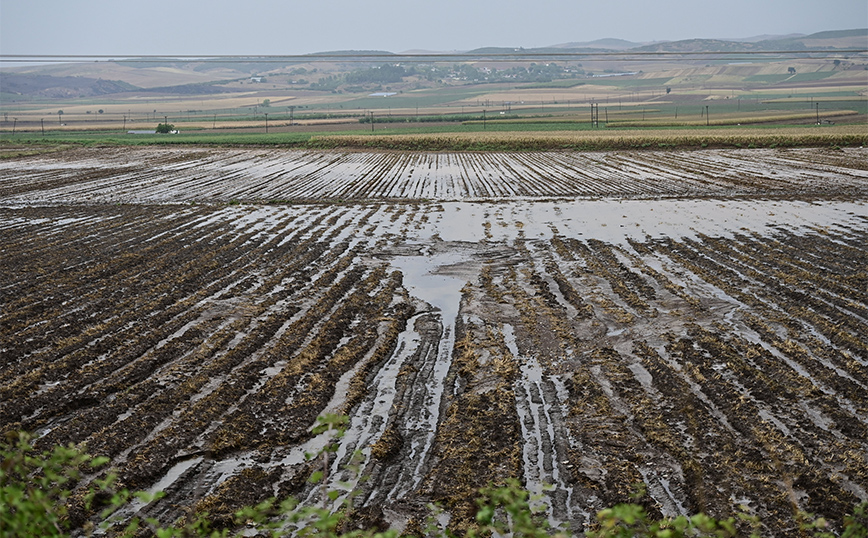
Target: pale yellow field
(534, 96)
(815, 99)
(662, 134)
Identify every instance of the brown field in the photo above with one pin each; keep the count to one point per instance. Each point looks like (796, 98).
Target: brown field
(694, 320)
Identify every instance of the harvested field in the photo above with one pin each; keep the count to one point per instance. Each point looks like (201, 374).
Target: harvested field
(695, 321)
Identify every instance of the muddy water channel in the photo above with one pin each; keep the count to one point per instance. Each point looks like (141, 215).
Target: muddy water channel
(710, 346)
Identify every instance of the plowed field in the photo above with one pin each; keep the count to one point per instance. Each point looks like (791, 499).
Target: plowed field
(695, 321)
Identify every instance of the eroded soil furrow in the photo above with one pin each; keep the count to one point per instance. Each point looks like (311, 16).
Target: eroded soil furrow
(711, 349)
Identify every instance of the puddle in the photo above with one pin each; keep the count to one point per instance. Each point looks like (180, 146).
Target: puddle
(423, 279)
(617, 221)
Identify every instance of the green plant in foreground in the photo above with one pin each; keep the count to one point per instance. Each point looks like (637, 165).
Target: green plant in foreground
(630, 520)
(37, 490)
(512, 511)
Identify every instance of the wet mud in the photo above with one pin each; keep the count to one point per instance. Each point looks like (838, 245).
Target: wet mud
(712, 347)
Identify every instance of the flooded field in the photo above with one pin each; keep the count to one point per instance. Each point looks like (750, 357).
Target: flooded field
(158, 175)
(695, 321)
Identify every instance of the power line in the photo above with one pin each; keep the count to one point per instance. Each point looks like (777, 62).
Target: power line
(422, 58)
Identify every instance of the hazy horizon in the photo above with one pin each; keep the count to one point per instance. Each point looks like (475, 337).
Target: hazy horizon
(257, 27)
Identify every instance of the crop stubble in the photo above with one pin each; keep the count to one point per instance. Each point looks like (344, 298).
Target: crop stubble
(720, 363)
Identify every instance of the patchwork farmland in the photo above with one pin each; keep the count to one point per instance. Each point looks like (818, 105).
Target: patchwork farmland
(694, 321)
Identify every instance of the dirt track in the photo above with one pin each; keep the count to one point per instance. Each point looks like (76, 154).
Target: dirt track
(695, 321)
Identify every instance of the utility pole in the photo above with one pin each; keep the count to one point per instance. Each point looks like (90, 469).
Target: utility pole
(42, 121)
(372, 121)
(292, 114)
(266, 123)
(818, 113)
(706, 115)
(483, 119)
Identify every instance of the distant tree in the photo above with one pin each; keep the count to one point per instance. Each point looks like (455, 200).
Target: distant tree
(668, 89)
(377, 75)
(100, 111)
(266, 102)
(837, 63)
(165, 128)
(791, 70)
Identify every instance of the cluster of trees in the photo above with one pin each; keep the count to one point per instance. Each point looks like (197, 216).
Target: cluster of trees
(385, 74)
(535, 72)
(327, 84)
(391, 74)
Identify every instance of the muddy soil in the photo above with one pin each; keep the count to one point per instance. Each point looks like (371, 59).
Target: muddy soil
(161, 175)
(701, 333)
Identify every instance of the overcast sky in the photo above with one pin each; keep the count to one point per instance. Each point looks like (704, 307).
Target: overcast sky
(187, 27)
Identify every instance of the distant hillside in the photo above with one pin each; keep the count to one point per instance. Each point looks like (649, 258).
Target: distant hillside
(191, 89)
(706, 45)
(764, 37)
(232, 73)
(239, 66)
(839, 39)
(242, 66)
(353, 53)
(537, 51)
(607, 44)
(839, 34)
(60, 87)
